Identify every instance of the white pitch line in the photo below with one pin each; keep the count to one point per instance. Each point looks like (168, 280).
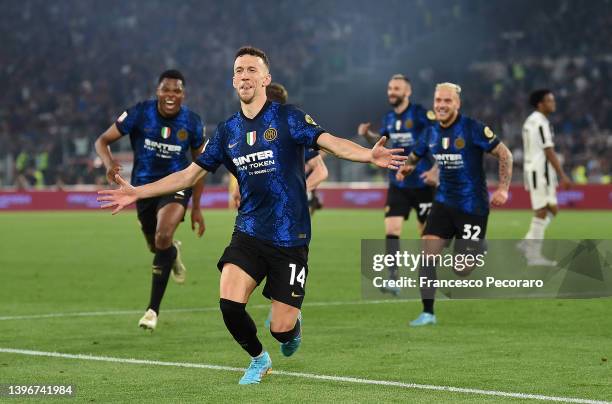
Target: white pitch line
(342, 379)
(186, 310)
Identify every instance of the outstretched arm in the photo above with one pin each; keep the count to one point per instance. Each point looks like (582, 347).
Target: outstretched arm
(347, 150)
(503, 154)
(127, 194)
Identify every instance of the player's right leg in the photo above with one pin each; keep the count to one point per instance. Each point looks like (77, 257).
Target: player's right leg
(241, 272)
(236, 287)
(438, 230)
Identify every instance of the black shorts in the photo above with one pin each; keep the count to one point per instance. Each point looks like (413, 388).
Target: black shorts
(285, 268)
(401, 200)
(148, 208)
(447, 222)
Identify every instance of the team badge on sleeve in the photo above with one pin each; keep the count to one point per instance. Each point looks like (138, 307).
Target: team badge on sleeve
(122, 117)
(488, 133)
(431, 115)
(251, 137)
(309, 120)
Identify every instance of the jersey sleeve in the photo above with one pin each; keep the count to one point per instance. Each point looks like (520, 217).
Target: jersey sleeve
(128, 119)
(483, 137)
(424, 119)
(545, 135)
(421, 149)
(213, 154)
(309, 154)
(199, 133)
(303, 129)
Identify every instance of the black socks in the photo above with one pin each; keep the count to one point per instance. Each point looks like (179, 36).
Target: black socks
(287, 336)
(162, 265)
(241, 326)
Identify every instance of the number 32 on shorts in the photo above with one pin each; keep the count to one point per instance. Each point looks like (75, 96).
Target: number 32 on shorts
(471, 232)
(300, 277)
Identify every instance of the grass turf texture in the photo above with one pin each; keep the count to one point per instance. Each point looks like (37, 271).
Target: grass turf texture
(75, 262)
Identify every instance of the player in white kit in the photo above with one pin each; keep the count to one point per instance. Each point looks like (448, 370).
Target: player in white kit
(542, 173)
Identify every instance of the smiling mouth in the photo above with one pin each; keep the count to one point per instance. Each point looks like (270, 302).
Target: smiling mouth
(170, 104)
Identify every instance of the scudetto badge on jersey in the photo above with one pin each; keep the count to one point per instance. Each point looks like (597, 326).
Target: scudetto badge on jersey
(165, 132)
(445, 142)
(251, 137)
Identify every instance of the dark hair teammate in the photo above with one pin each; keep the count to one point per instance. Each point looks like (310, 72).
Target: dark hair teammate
(263, 146)
(161, 133)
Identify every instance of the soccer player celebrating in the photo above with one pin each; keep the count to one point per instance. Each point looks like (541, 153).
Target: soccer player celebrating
(461, 206)
(316, 170)
(404, 125)
(263, 146)
(540, 165)
(161, 132)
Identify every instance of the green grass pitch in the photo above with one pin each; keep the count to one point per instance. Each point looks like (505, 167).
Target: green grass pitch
(90, 262)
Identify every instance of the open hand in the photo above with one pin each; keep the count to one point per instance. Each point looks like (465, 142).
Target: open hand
(118, 198)
(387, 158)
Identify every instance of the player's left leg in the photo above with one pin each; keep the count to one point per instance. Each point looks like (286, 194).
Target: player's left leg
(286, 327)
(286, 287)
(544, 204)
(421, 201)
(397, 211)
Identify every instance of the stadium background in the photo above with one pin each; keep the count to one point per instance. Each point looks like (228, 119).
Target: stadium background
(70, 68)
(74, 281)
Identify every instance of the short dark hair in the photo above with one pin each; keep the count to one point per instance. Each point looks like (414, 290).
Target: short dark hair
(536, 97)
(400, 76)
(277, 92)
(250, 50)
(171, 74)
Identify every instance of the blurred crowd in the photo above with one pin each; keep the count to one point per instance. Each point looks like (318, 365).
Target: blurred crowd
(71, 67)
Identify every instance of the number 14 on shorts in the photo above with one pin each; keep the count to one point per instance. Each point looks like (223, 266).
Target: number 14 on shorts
(300, 278)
